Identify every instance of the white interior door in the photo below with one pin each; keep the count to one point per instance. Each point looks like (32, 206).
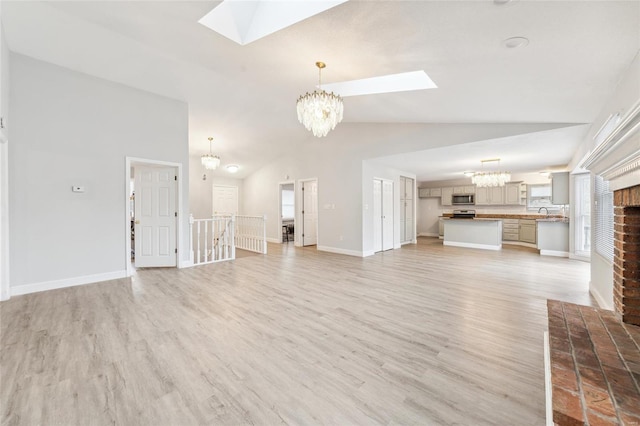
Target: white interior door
(377, 215)
(387, 215)
(155, 216)
(309, 213)
(225, 199)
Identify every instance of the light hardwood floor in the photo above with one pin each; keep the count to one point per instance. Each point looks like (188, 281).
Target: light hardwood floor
(426, 334)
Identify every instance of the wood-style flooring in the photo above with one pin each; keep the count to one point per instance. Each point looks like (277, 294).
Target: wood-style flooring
(426, 334)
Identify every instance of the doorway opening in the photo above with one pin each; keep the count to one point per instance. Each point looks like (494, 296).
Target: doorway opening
(287, 211)
(153, 214)
(308, 211)
(382, 215)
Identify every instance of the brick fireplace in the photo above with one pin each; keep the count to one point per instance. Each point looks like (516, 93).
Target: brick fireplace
(626, 261)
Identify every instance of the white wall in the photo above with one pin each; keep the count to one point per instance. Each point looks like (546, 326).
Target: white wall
(626, 94)
(4, 164)
(339, 181)
(70, 129)
(201, 191)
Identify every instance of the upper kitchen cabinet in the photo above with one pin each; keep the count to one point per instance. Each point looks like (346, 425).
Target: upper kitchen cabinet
(515, 193)
(487, 196)
(467, 189)
(446, 196)
(560, 188)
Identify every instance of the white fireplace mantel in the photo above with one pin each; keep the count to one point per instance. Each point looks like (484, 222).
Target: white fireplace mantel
(617, 158)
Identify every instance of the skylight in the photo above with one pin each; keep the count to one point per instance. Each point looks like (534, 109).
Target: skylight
(245, 21)
(402, 82)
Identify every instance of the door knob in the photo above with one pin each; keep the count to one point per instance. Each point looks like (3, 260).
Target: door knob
(137, 222)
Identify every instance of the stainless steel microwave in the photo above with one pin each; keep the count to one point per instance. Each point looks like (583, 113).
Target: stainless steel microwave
(463, 199)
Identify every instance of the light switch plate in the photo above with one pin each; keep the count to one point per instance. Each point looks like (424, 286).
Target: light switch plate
(77, 188)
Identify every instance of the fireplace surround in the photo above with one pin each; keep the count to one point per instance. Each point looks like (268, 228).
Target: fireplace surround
(617, 160)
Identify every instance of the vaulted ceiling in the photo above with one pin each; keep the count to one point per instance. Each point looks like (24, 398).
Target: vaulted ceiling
(244, 96)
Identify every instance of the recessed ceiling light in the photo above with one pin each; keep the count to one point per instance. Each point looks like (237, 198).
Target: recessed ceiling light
(402, 82)
(232, 168)
(515, 42)
(469, 174)
(501, 2)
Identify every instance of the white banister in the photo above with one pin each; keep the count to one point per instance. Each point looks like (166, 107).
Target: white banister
(211, 240)
(249, 232)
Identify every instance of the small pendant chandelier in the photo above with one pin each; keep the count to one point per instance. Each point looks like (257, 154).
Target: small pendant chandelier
(489, 179)
(210, 161)
(320, 111)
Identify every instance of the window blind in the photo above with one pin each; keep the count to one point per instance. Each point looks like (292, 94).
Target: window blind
(603, 238)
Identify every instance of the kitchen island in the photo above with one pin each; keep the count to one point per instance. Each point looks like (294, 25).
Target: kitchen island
(473, 233)
(553, 237)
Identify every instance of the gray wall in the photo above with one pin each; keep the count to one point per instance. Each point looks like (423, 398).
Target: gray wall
(626, 94)
(70, 129)
(201, 191)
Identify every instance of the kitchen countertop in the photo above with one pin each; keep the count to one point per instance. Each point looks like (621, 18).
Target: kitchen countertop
(554, 219)
(512, 216)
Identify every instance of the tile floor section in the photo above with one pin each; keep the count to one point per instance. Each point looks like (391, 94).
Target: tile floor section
(595, 366)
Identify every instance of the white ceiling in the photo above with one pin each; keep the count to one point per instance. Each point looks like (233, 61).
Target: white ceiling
(244, 96)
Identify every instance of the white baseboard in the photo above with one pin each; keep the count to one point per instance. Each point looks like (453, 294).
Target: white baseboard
(428, 234)
(186, 264)
(554, 253)
(519, 243)
(472, 245)
(67, 282)
(548, 389)
(368, 253)
(601, 302)
(340, 251)
(580, 258)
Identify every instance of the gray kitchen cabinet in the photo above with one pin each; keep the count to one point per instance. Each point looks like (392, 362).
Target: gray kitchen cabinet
(424, 192)
(436, 192)
(515, 193)
(488, 196)
(528, 231)
(446, 196)
(470, 189)
(560, 188)
(510, 230)
(407, 224)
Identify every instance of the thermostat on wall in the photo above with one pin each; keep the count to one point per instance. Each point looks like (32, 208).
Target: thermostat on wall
(77, 188)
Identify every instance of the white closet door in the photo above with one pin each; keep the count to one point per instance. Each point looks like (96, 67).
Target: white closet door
(377, 215)
(310, 213)
(155, 214)
(225, 199)
(387, 215)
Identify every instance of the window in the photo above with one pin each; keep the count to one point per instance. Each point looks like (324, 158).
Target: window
(582, 215)
(540, 196)
(603, 211)
(288, 203)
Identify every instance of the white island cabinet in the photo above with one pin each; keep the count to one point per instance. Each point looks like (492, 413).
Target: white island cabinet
(553, 237)
(473, 233)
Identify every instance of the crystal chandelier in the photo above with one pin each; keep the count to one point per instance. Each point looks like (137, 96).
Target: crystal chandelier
(320, 111)
(487, 179)
(210, 161)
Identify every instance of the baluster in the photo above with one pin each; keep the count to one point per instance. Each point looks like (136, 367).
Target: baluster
(206, 240)
(191, 239)
(233, 227)
(198, 239)
(264, 234)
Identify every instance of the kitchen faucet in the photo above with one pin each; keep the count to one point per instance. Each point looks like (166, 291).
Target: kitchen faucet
(546, 209)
